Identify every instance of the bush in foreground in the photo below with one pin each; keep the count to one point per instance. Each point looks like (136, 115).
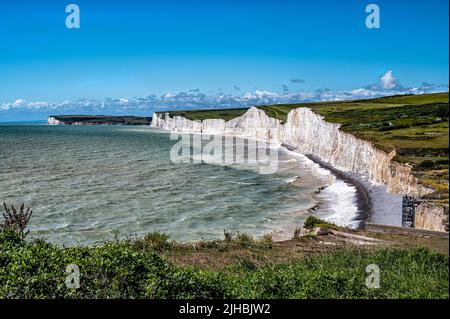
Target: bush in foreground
(313, 222)
(16, 220)
(122, 269)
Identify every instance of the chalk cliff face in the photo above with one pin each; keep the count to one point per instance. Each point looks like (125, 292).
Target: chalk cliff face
(310, 134)
(52, 121)
(213, 126)
(429, 216)
(176, 124)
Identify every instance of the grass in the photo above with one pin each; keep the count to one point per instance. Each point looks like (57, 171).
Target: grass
(225, 114)
(154, 240)
(127, 269)
(415, 126)
(329, 109)
(156, 267)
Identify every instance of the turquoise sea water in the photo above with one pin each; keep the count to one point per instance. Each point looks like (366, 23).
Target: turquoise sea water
(86, 182)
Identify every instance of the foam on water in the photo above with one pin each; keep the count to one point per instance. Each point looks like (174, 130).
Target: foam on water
(339, 200)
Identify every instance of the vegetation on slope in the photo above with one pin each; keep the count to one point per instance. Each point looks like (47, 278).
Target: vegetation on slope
(126, 269)
(146, 268)
(224, 114)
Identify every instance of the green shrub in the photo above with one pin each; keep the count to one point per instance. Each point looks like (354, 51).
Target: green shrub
(154, 240)
(297, 233)
(312, 222)
(244, 240)
(228, 235)
(38, 270)
(16, 220)
(266, 241)
(426, 164)
(9, 238)
(189, 282)
(122, 269)
(218, 245)
(246, 265)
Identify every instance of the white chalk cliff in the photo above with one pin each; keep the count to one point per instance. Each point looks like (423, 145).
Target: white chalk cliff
(52, 121)
(309, 133)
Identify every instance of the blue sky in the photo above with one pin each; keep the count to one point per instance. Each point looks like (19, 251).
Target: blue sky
(202, 53)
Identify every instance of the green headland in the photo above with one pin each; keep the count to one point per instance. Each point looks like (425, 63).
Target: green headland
(102, 119)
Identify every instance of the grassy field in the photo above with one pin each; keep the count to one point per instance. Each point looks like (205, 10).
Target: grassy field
(416, 126)
(236, 267)
(224, 114)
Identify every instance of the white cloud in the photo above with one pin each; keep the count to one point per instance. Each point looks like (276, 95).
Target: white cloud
(363, 92)
(388, 85)
(4, 107)
(388, 81)
(18, 103)
(38, 104)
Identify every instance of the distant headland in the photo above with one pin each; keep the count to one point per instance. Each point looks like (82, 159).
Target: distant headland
(97, 120)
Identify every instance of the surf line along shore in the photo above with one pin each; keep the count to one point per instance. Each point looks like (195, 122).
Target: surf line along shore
(373, 202)
(364, 201)
(387, 181)
(353, 212)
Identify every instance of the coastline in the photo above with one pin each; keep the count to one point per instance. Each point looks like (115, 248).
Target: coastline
(324, 206)
(374, 203)
(363, 199)
(368, 195)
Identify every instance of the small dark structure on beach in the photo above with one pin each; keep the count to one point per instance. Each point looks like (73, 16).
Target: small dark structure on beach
(409, 204)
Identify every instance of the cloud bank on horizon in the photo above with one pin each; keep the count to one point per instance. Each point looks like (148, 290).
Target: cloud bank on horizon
(388, 84)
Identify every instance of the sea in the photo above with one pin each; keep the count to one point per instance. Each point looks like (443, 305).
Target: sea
(90, 184)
